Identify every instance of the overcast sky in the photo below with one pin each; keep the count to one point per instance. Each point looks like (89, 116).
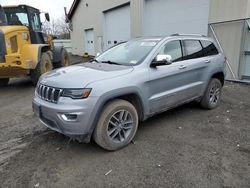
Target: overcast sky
(53, 7)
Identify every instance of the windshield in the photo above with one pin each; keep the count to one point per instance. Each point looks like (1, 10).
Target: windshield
(16, 16)
(129, 53)
(22, 16)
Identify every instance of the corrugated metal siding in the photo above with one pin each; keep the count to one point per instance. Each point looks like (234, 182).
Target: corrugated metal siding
(230, 37)
(225, 10)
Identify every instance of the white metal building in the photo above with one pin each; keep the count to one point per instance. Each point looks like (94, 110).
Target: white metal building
(230, 23)
(99, 24)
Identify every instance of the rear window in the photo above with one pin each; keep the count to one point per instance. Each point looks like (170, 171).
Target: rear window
(209, 48)
(193, 49)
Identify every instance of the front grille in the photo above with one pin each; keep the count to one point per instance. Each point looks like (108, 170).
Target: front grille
(49, 94)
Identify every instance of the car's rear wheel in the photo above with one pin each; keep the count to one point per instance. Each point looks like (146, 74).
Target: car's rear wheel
(212, 96)
(117, 125)
(4, 82)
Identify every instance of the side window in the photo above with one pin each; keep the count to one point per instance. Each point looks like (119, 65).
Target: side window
(35, 21)
(209, 48)
(172, 48)
(23, 18)
(193, 49)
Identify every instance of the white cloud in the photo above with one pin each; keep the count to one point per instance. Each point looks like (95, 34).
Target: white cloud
(53, 7)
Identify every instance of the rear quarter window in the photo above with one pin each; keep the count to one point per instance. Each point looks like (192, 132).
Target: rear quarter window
(209, 48)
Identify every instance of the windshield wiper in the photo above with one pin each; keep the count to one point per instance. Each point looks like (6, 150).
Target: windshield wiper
(111, 62)
(95, 60)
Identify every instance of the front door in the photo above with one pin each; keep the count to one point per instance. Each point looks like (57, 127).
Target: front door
(89, 42)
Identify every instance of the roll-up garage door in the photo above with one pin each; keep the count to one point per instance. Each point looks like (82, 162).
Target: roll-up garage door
(116, 26)
(165, 17)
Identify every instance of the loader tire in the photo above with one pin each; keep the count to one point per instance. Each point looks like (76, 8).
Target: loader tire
(45, 65)
(4, 82)
(64, 61)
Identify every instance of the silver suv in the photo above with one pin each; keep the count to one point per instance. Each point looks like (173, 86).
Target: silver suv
(107, 98)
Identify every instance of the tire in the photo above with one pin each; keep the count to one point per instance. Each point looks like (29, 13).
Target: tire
(64, 62)
(212, 96)
(4, 82)
(123, 133)
(45, 65)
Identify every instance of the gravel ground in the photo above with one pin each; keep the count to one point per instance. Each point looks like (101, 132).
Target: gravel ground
(184, 147)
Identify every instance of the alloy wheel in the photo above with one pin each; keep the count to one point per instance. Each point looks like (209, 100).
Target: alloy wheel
(214, 94)
(120, 126)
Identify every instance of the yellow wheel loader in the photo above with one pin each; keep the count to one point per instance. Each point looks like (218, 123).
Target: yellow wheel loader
(24, 49)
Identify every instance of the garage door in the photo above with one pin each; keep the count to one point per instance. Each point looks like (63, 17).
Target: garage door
(165, 17)
(89, 42)
(116, 26)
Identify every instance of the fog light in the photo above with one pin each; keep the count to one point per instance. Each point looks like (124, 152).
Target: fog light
(69, 117)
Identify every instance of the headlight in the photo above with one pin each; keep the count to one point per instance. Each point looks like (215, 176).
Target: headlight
(76, 93)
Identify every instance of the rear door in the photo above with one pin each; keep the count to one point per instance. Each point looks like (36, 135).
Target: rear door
(171, 85)
(196, 66)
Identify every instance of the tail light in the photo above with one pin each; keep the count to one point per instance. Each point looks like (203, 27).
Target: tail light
(225, 60)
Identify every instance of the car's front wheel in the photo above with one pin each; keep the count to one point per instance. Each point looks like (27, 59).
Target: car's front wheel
(117, 125)
(212, 96)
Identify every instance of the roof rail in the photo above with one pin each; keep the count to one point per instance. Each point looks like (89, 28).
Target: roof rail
(178, 34)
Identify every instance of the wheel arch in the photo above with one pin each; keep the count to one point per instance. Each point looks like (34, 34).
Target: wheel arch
(220, 76)
(132, 97)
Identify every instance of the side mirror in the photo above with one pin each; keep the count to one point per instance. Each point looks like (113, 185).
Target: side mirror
(161, 60)
(97, 54)
(47, 16)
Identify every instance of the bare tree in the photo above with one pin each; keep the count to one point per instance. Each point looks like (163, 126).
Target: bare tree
(46, 27)
(57, 28)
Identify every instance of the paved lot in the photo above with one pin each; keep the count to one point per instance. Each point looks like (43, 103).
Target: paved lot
(185, 147)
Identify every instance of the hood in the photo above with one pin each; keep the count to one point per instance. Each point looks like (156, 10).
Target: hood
(9, 29)
(79, 76)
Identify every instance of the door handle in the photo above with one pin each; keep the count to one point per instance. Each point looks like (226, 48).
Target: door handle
(208, 61)
(182, 67)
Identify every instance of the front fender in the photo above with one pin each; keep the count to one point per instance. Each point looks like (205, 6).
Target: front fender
(123, 92)
(31, 54)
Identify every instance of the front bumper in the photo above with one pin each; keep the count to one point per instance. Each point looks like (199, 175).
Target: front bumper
(51, 115)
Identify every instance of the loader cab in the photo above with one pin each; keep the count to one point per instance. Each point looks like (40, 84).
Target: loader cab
(26, 16)
(3, 20)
